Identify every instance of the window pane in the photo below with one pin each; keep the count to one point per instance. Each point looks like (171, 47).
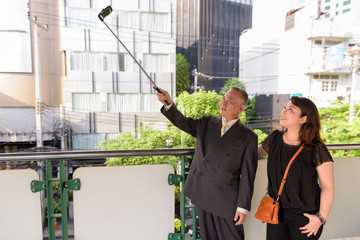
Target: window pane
(97, 62)
(133, 102)
(333, 86)
(124, 102)
(82, 18)
(156, 62)
(86, 102)
(325, 86)
(157, 22)
(346, 3)
(128, 20)
(87, 140)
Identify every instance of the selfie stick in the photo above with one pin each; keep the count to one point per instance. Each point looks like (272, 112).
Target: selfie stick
(102, 15)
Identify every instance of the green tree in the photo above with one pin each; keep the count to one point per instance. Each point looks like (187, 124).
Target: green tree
(232, 82)
(336, 127)
(195, 106)
(182, 74)
(192, 105)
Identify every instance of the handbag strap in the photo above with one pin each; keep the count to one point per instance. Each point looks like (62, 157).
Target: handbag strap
(287, 170)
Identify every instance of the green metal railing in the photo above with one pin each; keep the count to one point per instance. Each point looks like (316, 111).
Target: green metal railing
(75, 184)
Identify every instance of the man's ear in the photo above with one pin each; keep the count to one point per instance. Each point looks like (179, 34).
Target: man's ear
(242, 108)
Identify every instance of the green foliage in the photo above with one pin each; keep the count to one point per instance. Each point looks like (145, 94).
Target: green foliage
(199, 104)
(261, 135)
(182, 73)
(232, 82)
(150, 138)
(57, 201)
(336, 127)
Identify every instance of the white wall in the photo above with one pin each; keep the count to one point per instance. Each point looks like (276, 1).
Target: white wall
(343, 220)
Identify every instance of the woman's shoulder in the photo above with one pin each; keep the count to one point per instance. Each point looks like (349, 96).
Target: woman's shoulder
(321, 154)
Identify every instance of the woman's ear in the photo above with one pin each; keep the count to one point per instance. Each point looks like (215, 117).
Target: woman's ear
(303, 119)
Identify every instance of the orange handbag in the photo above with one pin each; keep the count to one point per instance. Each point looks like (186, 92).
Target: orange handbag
(268, 209)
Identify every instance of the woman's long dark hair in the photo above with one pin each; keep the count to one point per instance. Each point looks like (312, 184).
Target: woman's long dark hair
(309, 133)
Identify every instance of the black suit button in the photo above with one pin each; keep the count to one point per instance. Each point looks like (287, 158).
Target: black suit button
(228, 154)
(200, 173)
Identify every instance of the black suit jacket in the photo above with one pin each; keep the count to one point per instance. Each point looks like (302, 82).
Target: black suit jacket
(222, 173)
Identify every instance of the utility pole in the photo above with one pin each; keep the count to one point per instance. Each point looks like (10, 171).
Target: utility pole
(37, 73)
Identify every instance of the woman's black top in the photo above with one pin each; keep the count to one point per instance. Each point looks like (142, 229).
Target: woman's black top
(301, 191)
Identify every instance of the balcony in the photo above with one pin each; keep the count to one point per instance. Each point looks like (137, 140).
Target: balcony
(135, 202)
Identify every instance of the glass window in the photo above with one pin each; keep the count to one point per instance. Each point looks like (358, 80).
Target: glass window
(86, 102)
(128, 20)
(157, 22)
(346, 10)
(346, 2)
(82, 18)
(96, 61)
(327, 1)
(133, 102)
(337, 5)
(327, 15)
(325, 86)
(156, 62)
(327, 7)
(87, 140)
(78, 3)
(326, 76)
(333, 86)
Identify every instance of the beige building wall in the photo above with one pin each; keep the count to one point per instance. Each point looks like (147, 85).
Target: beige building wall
(18, 89)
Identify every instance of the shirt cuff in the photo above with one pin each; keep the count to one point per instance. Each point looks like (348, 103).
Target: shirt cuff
(167, 107)
(242, 210)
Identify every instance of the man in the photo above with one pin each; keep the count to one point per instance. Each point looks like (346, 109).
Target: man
(221, 177)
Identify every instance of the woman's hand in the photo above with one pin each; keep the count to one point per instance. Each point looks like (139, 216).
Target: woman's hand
(313, 226)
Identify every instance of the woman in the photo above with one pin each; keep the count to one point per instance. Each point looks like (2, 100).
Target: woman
(304, 205)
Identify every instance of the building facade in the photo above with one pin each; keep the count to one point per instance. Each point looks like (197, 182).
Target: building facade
(105, 92)
(309, 54)
(17, 73)
(91, 89)
(207, 35)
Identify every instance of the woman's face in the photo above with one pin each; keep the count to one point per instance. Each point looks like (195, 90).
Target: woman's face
(291, 116)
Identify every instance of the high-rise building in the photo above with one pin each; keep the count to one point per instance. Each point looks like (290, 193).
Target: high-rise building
(208, 36)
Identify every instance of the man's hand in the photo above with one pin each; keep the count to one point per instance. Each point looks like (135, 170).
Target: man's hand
(164, 95)
(239, 218)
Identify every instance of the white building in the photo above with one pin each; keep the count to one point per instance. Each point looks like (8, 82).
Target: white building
(83, 68)
(104, 91)
(302, 51)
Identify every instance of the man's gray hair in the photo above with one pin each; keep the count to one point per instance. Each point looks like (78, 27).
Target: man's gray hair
(243, 93)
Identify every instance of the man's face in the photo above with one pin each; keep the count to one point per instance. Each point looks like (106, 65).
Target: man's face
(231, 105)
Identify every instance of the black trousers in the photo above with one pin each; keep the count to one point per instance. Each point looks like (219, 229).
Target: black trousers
(217, 228)
(288, 227)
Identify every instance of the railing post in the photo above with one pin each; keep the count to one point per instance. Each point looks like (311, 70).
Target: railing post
(63, 201)
(182, 202)
(194, 223)
(50, 201)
